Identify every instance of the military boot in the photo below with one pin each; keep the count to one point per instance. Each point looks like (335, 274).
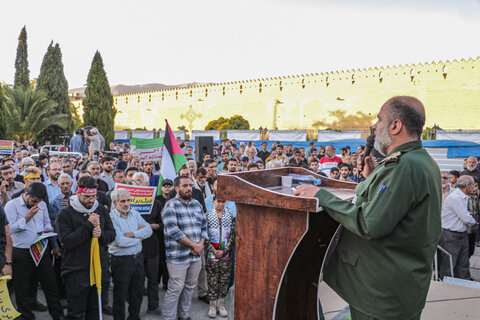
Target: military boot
(221, 308)
(212, 311)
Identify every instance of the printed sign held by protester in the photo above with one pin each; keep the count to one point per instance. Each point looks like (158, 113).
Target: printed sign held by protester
(141, 198)
(37, 249)
(148, 149)
(6, 147)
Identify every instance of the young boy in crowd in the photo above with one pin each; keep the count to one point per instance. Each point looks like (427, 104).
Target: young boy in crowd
(221, 238)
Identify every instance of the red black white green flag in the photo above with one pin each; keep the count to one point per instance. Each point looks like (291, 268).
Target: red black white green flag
(173, 157)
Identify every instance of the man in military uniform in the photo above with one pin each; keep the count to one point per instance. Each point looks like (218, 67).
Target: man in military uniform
(383, 262)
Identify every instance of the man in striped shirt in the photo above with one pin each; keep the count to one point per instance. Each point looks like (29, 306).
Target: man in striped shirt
(185, 229)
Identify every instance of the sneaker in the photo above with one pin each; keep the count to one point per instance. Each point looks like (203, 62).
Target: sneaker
(221, 308)
(157, 311)
(37, 306)
(212, 311)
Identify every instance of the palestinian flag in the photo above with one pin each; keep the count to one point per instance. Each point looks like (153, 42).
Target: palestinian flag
(173, 158)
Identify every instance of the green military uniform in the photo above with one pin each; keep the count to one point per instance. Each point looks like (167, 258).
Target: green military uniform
(382, 265)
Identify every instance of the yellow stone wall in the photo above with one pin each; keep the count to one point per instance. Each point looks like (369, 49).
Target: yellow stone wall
(450, 92)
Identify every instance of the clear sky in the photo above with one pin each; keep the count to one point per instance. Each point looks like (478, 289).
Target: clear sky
(175, 42)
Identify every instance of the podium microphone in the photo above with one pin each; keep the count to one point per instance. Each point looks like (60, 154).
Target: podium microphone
(368, 148)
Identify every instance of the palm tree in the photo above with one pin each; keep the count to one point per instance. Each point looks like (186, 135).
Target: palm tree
(27, 112)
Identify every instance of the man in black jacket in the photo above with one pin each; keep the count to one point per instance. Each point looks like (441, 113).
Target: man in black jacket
(3, 238)
(167, 186)
(150, 247)
(93, 167)
(297, 160)
(76, 225)
(102, 198)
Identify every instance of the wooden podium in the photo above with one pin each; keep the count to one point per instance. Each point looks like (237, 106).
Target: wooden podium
(280, 244)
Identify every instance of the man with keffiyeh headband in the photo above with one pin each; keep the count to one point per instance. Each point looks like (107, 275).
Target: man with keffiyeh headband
(76, 224)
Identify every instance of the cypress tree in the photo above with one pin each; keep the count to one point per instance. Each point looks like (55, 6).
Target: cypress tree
(98, 109)
(2, 113)
(22, 74)
(52, 80)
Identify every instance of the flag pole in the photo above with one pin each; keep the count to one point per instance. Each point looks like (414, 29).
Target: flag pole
(100, 306)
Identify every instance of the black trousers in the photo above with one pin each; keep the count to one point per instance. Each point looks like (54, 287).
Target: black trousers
(81, 297)
(471, 244)
(162, 264)
(25, 273)
(455, 243)
(128, 279)
(163, 271)
(151, 272)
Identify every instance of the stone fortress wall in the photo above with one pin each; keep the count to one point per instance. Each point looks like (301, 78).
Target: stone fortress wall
(450, 92)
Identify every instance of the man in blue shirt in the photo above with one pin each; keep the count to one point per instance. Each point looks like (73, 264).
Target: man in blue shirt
(126, 255)
(76, 142)
(185, 229)
(65, 183)
(147, 167)
(53, 171)
(28, 217)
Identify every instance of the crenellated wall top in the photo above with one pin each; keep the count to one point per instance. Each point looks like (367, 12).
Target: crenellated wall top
(347, 74)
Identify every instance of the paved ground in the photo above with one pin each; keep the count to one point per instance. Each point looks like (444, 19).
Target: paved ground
(475, 265)
(199, 309)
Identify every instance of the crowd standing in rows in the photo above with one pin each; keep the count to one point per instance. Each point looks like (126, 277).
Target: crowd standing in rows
(188, 239)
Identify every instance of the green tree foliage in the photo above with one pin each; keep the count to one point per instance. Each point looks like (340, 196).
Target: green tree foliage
(28, 112)
(234, 123)
(52, 80)
(2, 113)
(22, 74)
(98, 109)
(77, 120)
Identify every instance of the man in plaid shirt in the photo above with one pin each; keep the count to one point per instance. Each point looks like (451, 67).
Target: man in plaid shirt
(185, 229)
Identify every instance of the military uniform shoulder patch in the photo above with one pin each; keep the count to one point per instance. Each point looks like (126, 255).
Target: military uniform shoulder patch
(393, 158)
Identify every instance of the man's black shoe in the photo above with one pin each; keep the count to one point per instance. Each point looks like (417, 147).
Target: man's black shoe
(107, 310)
(204, 299)
(155, 311)
(37, 306)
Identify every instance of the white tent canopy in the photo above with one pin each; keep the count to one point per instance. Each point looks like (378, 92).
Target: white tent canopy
(243, 134)
(202, 133)
(287, 135)
(329, 135)
(473, 136)
(179, 133)
(144, 134)
(121, 135)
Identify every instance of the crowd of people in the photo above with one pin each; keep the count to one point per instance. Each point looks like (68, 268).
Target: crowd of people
(188, 239)
(460, 219)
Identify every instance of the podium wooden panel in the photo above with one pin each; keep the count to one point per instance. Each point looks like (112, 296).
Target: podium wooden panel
(280, 245)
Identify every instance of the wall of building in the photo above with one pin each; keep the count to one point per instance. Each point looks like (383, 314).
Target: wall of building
(450, 92)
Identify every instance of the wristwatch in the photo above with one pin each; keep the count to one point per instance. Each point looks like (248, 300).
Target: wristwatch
(8, 263)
